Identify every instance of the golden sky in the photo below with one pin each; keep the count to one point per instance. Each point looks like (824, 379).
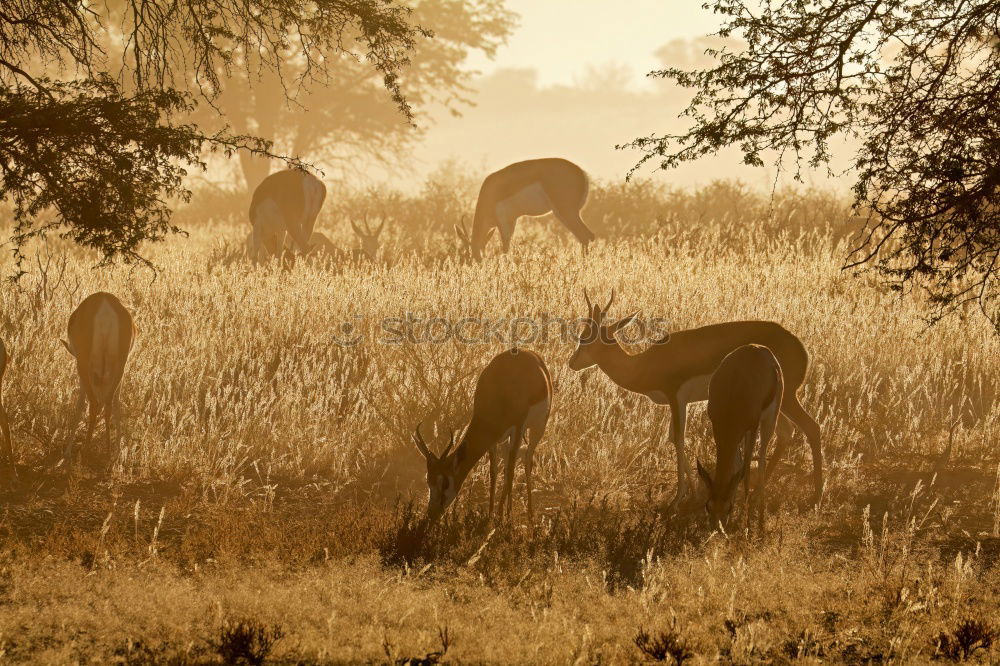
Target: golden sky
(571, 82)
(560, 38)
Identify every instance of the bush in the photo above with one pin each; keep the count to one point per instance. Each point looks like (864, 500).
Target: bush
(665, 644)
(247, 642)
(968, 638)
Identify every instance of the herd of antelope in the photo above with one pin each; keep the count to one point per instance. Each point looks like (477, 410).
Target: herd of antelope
(748, 371)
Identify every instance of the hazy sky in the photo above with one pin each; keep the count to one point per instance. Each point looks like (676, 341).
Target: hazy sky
(559, 38)
(520, 116)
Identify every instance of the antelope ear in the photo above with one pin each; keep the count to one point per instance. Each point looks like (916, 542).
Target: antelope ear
(489, 235)
(622, 323)
(68, 348)
(703, 474)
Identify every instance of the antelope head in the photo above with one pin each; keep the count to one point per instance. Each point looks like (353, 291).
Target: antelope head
(442, 476)
(596, 331)
(369, 239)
(465, 241)
(720, 496)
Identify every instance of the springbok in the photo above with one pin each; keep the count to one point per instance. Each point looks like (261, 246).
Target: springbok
(370, 243)
(286, 202)
(676, 370)
(513, 395)
(8, 447)
(100, 335)
(744, 397)
(532, 188)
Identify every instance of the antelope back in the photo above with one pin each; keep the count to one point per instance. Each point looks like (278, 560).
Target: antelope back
(513, 383)
(288, 201)
(747, 382)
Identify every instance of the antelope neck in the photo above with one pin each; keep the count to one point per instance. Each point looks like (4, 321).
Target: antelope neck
(475, 443)
(726, 468)
(482, 222)
(620, 366)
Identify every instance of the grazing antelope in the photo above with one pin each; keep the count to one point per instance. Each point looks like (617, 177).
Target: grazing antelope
(676, 370)
(8, 447)
(370, 243)
(513, 395)
(286, 202)
(744, 397)
(100, 335)
(532, 188)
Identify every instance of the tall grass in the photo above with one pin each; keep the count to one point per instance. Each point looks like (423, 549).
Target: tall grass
(237, 375)
(251, 434)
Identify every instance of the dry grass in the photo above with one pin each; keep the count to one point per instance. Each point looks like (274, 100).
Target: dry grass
(266, 476)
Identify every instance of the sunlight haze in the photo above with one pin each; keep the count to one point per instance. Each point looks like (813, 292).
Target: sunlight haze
(572, 82)
(561, 38)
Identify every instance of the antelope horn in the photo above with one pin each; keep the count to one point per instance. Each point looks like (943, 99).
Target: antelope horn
(610, 301)
(421, 445)
(590, 306)
(451, 443)
(379, 230)
(462, 231)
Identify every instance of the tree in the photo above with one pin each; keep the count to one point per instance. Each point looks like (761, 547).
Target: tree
(102, 149)
(345, 120)
(914, 83)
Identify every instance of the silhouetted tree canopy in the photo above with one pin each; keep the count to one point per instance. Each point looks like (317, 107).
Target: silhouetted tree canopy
(344, 122)
(915, 84)
(91, 97)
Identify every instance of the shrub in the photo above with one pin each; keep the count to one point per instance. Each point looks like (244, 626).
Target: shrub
(247, 642)
(969, 637)
(665, 644)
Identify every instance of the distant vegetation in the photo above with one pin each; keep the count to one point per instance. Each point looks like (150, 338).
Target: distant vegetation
(424, 221)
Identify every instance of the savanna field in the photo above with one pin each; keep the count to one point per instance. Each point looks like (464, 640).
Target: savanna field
(266, 505)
